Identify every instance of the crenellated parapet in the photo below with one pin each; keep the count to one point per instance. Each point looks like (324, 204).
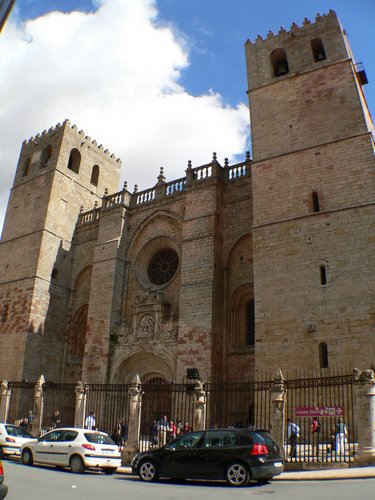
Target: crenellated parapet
(83, 139)
(294, 29)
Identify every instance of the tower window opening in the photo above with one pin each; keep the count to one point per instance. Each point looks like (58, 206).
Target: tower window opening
(74, 160)
(315, 200)
(54, 274)
(323, 355)
(323, 275)
(45, 156)
(279, 62)
(318, 50)
(95, 175)
(26, 167)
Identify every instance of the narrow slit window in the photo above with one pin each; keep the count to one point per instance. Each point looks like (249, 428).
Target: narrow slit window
(323, 355)
(95, 175)
(26, 167)
(323, 275)
(315, 200)
(250, 322)
(318, 50)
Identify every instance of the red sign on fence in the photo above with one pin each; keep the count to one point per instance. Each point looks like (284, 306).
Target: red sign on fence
(319, 411)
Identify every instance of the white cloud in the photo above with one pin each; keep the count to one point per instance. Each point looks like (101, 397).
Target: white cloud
(115, 73)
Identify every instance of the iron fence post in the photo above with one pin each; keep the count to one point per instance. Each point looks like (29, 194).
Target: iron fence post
(365, 392)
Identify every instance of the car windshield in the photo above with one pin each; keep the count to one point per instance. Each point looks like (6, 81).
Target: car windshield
(190, 440)
(98, 438)
(15, 431)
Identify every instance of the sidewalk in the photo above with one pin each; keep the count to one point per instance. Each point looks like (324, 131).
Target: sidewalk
(327, 474)
(311, 475)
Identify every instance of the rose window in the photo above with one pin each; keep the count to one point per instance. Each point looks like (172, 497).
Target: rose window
(162, 266)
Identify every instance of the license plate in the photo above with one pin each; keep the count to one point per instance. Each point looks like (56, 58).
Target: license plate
(278, 464)
(107, 452)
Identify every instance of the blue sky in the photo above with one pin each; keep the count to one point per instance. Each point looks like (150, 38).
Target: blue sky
(158, 82)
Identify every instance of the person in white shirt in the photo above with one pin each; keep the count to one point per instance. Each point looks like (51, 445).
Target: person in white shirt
(90, 422)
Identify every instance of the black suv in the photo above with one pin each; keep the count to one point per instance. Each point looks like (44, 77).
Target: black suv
(236, 455)
(3, 488)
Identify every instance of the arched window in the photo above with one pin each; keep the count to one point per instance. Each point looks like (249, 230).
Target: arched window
(74, 160)
(78, 332)
(279, 62)
(318, 50)
(242, 318)
(45, 156)
(95, 175)
(323, 275)
(26, 167)
(323, 355)
(315, 200)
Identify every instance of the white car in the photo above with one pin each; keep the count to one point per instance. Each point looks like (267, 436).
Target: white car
(78, 449)
(12, 437)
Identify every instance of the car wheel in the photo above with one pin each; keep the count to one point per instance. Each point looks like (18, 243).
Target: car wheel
(76, 464)
(237, 474)
(27, 457)
(109, 470)
(148, 471)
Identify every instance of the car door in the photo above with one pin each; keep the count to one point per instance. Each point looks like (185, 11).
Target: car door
(179, 456)
(47, 449)
(217, 450)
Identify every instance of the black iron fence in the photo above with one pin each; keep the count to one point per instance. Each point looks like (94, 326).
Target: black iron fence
(329, 400)
(21, 404)
(173, 401)
(59, 397)
(109, 402)
(328, 397)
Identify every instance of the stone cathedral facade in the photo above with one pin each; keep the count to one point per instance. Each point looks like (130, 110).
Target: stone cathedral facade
(231, 268)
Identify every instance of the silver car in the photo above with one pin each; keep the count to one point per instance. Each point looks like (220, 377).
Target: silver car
(12, 437)
(78, 449)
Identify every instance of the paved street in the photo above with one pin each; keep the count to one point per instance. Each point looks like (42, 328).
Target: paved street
(43, 483)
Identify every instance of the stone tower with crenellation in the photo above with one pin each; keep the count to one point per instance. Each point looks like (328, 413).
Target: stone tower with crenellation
(60, 172)
(313, 178)
(262, 264)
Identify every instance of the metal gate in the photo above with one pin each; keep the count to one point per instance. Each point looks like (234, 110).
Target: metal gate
(330, 399)
(60, 397)
(109, 403)
(174, 401)
(21, 404)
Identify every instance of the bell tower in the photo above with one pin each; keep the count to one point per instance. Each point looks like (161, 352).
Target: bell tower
(59, 172)
(313, 180)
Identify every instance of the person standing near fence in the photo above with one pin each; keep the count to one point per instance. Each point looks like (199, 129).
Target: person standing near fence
(315, 429)
(341, 435)
(90, 422)
(56, 420)
(293, 433)
(163, 428)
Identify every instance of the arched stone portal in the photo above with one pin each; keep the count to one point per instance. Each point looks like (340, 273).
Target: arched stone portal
(147, 365)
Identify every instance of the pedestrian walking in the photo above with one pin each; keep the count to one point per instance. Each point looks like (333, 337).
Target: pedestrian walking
(315, 429)
(341, 437)
(293, 434)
